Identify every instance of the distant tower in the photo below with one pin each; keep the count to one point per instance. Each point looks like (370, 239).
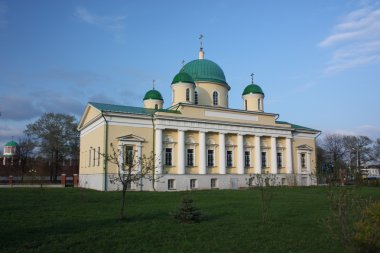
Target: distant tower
(253, 97)
(153, 99)
(183, 89)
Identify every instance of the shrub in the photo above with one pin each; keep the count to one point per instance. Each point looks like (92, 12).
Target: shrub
(367, 230)
(188, 213)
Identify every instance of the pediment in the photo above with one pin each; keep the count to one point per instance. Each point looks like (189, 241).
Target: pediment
(131, 137)
(305, 147)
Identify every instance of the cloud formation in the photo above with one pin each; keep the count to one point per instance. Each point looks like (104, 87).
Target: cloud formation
(113, 24)
(355, 40)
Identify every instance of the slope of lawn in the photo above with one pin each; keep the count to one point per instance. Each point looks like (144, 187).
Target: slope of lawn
(78, 220)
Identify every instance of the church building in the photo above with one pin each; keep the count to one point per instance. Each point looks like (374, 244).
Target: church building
(198, 141)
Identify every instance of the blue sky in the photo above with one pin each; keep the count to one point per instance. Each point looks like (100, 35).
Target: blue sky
(317, 62)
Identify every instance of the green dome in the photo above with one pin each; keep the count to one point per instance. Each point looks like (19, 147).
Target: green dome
(182, 77)
(206, 71)
(153, 94)
(11, 144)
(252, 88)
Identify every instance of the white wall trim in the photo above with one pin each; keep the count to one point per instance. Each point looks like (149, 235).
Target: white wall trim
(227, 115)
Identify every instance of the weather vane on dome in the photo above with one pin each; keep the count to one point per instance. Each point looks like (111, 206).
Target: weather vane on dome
(153, 83)
(252, 76)
(201, 39)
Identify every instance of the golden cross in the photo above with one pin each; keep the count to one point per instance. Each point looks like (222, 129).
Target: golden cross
(201, 39)
(252, 77)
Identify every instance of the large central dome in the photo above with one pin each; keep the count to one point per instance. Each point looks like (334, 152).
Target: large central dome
(203, 70)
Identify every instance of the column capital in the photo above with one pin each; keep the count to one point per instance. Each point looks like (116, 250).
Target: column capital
(223, 132)
(241, 134)
(183, 129)
(203, 131)
(159, 128)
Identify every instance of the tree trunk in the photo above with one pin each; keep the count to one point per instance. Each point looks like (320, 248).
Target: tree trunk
(122, 215)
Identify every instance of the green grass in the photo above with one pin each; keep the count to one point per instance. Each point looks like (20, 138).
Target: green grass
(77, 220)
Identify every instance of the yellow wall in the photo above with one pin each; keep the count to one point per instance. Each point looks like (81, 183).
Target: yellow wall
(91, 141)
(252, 102)
(91, 114)
(179, 92)
(151, 103)
(205, 91)
(301, 141)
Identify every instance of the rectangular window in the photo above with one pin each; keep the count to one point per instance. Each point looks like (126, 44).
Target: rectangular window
(279, 160)
(98, 156)
(190, 157)
(210, 158)
(171, 184)
(93, 157)
(193, 183)
(247, 159)
(128, 156)
(89, 158)
(229, 158)
(168, 156)
(303, 160)
(214, 183)
(263, 159)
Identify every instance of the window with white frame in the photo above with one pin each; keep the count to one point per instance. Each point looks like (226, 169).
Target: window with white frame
(98, 156)
(210, 158)
(215, 98)
(229, 158)
(245, 104)
(263, 159)
(214, 182)
(168, 157)
(259, 104)
(303, 160)
(93, 157)
(89, 158)
(190, 157)
(171, 184)
(196, 97)
(279, 159)
(193, 183)
(187, 94)
(247, 159)
(128, 155)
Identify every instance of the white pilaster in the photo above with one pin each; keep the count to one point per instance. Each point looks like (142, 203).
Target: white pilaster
(257, 155)
(158, 151)
(222, 154)
(240, 154)
(181, 152)
(289, 156)
(139, 157)
(273, 148)
(202, 152)
(308, 162)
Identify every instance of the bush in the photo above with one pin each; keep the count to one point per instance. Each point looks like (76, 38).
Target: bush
(367, 230)
(187, 213)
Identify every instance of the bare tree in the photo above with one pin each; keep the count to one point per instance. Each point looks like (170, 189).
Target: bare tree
(131, 170)
(376, 149)
(25, 153)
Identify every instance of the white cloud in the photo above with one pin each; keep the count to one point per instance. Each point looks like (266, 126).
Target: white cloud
(113, 24)
(355, 40)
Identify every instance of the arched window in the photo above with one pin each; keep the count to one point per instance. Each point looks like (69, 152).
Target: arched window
(215, 98)
(156, 106)
(258, 104)
(187, 95)
(245, 103)
(196, 97)
(173, 96)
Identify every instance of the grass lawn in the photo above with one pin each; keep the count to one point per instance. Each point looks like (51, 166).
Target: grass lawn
(77, 220)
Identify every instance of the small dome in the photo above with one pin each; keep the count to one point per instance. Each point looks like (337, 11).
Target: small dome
(153, 94)
(11, 144)
(182, 77)
(252, 88)
(203, 70)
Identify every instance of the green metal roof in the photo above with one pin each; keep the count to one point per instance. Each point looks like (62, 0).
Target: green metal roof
(252, 88)
(182, 77)
(297, 127)
(153, 94)
(206, 71)
(128, 109)
(11, 144)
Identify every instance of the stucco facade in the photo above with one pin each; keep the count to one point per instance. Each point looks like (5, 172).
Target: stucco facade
(196, 143)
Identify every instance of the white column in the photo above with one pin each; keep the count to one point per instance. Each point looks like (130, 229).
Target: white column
(222, 154)
(273, 148)
(120, 158)
(289, 156)
(202, 152)
(257, 155)
(240, 154)
(139, 157)
(158, 151)
(308, 162)
(181, 152)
